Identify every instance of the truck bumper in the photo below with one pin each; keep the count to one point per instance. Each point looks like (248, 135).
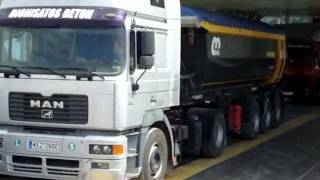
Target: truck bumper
(71, 162)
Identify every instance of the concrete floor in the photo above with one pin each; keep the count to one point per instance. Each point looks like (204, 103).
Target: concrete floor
(291, 156)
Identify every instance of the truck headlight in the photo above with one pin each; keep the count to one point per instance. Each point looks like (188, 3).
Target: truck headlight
(107, 150)
(98, 149)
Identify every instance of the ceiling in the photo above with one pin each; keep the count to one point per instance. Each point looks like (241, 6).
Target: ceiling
(265, 7)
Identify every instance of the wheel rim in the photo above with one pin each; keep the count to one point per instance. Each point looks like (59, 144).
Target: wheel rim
(220, 136)
(256, 122)
(268, 118)
(155, 160)
(278, 113)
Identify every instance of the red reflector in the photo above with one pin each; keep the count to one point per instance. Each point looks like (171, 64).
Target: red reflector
(235, 113)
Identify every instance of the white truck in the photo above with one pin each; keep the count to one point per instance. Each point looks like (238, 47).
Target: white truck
(97, 89)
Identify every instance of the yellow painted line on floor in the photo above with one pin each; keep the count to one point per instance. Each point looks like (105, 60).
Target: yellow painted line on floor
(200, 165)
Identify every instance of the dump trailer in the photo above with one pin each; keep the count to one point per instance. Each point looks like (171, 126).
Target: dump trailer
(110, 89)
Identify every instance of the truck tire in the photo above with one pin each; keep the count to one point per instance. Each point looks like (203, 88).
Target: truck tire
(192, 146)
(215, 139)
(266, 117)
(155, 157)
(277, 110)
(251, 119)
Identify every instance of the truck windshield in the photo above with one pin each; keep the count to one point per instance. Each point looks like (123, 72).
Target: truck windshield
(97, 50)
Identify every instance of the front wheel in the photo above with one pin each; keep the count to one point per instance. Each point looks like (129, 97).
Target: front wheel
(155, 157)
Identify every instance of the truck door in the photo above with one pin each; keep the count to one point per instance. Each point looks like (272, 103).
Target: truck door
(162, 69)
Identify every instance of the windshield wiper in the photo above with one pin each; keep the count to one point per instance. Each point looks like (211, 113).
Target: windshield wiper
(48, 70)
(17, 70)
(83, 70)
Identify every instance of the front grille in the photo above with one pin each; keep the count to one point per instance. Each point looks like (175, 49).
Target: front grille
(63, 163)
(63, 172)
(25, 164)
(44, 130)
(26, 160)
(26, 169)
(37, 165)
(74, 111)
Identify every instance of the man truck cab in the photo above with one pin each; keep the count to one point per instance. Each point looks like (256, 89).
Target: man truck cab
(81, 82)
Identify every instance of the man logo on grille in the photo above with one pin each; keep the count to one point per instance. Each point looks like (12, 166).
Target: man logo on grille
(47, 104)
(216, 46)
(47, 114)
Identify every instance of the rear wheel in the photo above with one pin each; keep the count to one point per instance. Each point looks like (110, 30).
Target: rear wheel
(266, 115)
(251, 119)
(155, 157)
(277, 110)
(215, 138)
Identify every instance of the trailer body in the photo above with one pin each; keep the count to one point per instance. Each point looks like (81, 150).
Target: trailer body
(225, 52)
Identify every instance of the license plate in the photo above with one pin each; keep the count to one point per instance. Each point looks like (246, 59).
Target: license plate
(49, 145)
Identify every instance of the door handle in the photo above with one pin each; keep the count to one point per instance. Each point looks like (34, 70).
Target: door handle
(153, 100)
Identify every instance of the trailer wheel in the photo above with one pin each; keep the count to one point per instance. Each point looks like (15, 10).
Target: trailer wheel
(213, 145)
(266, 115)
(155, 157)
(277, 110)
(251, 119)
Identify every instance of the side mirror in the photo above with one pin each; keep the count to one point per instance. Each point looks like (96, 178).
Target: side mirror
(146, 49)
(145, 53)
(146, 62)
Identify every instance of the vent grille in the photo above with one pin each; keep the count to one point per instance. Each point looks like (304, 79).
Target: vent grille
(74, 111)
(63, 163)
(27, 169)
(63, 172)
(37, 165)
(26, 160)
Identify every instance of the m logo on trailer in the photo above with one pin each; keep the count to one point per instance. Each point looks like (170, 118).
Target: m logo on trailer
(216, 46)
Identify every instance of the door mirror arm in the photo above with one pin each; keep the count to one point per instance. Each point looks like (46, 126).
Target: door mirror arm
(136, 86)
